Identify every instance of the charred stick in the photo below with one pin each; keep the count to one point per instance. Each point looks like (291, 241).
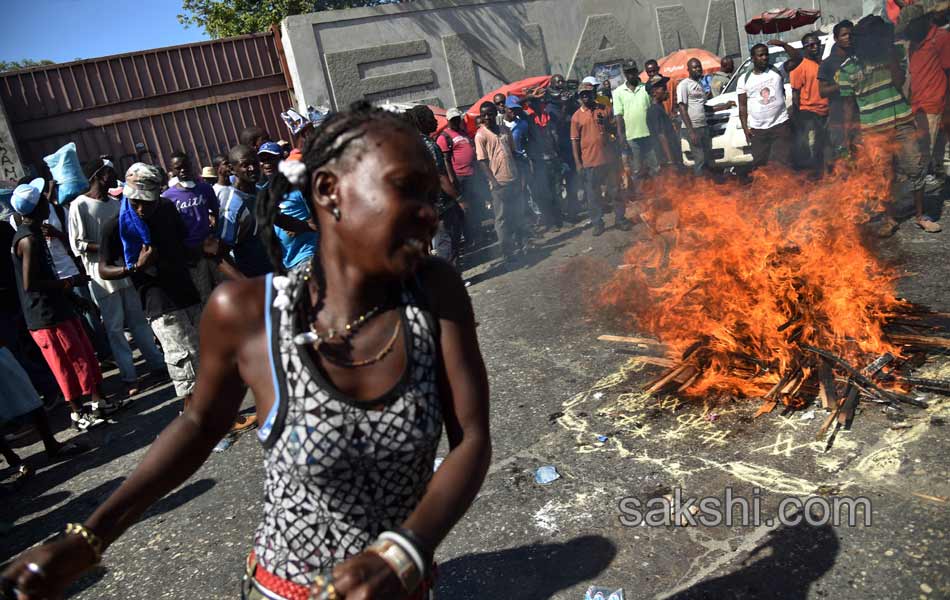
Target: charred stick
(879, 363)
(940, 385)
(921, 341)
(858, 377)
(789, 323)
(826, 385)
(846, 415)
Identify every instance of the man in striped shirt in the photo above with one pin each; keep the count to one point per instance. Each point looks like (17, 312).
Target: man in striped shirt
(874, 78)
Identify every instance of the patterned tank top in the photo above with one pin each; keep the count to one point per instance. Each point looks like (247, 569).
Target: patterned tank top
(338, 473)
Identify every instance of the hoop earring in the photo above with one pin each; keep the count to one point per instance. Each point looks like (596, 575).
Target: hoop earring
(336, 213)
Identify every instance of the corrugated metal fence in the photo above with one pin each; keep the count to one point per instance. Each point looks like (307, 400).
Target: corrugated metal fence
(145, 105)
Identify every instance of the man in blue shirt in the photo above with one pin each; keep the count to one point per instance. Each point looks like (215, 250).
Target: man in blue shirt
(238, 221)
(299, 248)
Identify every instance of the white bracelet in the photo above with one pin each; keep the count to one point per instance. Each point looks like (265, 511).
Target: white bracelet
(409, 548)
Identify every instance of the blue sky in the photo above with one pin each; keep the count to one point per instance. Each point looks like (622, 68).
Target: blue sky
(63, 30)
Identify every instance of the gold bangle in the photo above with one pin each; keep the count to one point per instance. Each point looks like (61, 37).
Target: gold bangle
(95, 543)
(400, 562)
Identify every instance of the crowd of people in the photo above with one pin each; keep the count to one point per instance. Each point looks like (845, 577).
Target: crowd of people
(857, 95)
(310, 274)
(304, 264)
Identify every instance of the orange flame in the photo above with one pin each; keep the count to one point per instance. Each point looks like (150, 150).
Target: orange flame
(740, 268)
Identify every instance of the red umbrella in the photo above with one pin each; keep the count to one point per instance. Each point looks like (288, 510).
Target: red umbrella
(512, 89)
(673, 65)
(440, 119)
(781, 19)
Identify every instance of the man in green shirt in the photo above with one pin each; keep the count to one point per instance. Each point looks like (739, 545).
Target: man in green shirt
(874, 78)
(631, 103)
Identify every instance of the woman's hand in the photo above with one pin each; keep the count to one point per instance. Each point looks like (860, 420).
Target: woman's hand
(60, 563)
(366, 576)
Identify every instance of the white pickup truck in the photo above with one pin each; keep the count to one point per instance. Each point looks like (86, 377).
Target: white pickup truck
(729, 145)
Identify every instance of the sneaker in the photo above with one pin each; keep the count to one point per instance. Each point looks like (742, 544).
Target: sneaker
(106, 407)
(84, 421)
(932, 183)
(929, 225)
(598, 229)
(624, 225)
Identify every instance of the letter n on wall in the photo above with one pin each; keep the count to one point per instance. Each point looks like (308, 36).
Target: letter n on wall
(463, 51)
(348, 85)
(604, 40)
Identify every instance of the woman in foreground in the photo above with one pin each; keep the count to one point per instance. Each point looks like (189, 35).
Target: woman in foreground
(355, 365)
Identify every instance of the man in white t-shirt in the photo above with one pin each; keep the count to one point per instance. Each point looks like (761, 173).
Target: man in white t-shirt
(762, 109)
(222, 170)
(117, 300)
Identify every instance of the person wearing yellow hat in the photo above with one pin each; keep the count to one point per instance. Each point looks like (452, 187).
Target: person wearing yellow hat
(209, 175)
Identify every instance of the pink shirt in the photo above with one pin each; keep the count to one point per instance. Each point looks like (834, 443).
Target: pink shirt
(459, 148)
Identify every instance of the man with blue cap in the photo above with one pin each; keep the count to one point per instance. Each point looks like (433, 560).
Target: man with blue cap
(48, 312)
(269, 155)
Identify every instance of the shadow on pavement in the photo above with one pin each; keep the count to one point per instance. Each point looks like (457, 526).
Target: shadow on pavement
(535, 571)
(35, 530)
(540, 249)
(38, 529)
(178, 498)
(783, 567)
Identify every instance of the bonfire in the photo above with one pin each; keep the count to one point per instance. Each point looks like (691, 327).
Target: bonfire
(771, 291)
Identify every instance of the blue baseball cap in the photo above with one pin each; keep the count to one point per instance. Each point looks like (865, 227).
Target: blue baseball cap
(27, 196)
(512, 102)
(271, 148)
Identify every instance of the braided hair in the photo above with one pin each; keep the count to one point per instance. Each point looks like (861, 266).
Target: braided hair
(329, 142)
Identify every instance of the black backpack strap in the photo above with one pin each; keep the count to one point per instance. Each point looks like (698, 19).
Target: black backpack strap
(448, 141)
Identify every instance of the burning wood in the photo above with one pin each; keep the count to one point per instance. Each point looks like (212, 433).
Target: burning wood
(767, 291)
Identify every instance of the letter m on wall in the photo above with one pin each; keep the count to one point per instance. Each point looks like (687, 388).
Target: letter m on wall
(720, 36)
(463, 51)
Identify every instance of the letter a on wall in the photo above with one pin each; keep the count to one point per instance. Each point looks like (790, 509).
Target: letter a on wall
(604, 40)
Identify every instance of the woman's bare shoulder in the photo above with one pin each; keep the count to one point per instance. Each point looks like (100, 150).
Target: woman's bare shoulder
(237, 305)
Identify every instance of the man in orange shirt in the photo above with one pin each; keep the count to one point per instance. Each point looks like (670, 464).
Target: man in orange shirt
(590, 128)
(810, 109)
(929, 61)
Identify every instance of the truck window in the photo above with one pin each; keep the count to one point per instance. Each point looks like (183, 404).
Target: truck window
(775, 59)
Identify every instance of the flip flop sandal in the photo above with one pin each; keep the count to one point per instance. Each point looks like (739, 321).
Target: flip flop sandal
(928, 225)
(244, 422)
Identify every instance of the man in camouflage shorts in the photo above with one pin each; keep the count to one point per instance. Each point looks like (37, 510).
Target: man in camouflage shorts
(145, 242)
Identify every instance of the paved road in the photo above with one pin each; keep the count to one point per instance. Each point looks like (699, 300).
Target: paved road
(555, 389)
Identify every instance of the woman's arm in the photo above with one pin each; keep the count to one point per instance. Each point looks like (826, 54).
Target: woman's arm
(177, 453)
(463, 386)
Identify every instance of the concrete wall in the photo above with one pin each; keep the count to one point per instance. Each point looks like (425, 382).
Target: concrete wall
(11, 168)
(451, 52)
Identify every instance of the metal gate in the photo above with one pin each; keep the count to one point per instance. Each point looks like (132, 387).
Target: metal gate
(146, 105)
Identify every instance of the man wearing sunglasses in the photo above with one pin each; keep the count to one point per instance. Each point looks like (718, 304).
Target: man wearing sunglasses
(810, 109)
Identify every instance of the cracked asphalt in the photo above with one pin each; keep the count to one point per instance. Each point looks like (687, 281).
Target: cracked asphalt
(562, 398)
